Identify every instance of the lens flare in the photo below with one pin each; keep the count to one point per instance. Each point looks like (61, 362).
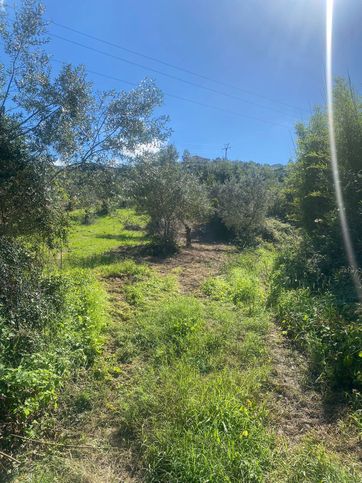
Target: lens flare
(334, 158)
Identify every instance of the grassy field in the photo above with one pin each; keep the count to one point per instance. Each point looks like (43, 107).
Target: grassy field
(92, 245)
(182, 391)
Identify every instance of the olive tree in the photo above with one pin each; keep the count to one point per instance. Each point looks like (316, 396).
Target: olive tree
(29, 204)
(242, 205)
(172, 197)
(59, 112)
(51, 122)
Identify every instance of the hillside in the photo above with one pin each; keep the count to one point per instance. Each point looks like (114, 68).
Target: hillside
(194, 381)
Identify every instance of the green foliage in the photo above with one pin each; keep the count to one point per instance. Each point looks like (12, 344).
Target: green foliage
(317, 313)
(240, 288)
(242, 206)
(60, 114)
(313, 292)
(313, 295)
(242, 193)
(95, 188)
(240, 284)
(310, 185)
(216, 172)
(30, 202)
(50, 324)
(169, 195)
(332, 342)
(278, 232)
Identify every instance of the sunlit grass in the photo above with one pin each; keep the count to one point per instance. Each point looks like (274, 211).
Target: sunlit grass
(186, 382)
(92, 245)
(194, 407)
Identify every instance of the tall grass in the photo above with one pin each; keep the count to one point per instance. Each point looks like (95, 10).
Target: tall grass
(51, 348)
(193, 408)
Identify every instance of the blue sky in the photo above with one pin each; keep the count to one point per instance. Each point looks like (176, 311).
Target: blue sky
(270, 53)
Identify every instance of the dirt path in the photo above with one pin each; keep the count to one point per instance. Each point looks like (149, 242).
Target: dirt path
(197, 263)
(299, 406)
(115, 462)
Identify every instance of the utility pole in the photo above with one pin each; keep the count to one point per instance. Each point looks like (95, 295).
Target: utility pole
(226, 149)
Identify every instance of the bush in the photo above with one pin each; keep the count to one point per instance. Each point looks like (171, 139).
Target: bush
(315, 307)
(50, 324)
(315, 324)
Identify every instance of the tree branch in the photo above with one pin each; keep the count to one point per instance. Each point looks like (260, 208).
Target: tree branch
(34, 114)
(10, 80)
(91, 151)
(11, 458)
(60, 445)
(24, 133)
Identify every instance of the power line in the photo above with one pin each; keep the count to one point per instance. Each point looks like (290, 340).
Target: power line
(171, 76)
(185, 99)
(122, 59)
(166, 93)
(173, 66)
(169, 65)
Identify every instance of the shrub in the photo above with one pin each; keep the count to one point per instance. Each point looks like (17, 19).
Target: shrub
(315, 308)
(316, 325)
(50, 324)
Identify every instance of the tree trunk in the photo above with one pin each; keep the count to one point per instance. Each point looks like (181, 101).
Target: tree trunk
(188, 236)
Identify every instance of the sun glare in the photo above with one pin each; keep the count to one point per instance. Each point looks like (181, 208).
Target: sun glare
(334, 157)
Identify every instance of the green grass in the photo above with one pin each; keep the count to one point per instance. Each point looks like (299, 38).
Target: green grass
(187, 379)
(194, 408)
(311, 462)
(197, 409)
(92, 245)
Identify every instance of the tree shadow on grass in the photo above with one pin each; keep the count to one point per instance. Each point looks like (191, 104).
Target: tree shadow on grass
(135, 252)
(123, 237)
(94, 261)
